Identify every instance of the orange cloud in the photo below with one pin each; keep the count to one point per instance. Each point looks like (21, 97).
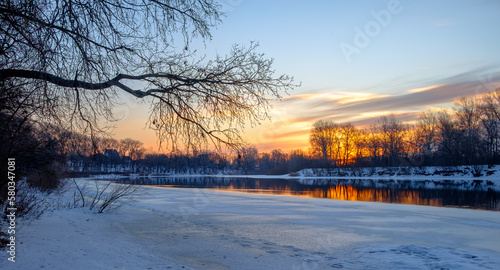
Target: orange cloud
(278, 136)
(339, 97)
(293, 117)
(422, 89)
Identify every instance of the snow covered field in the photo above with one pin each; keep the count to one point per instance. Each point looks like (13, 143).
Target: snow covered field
(206, 229)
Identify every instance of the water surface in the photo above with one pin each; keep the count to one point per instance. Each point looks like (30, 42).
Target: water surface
(476, 194)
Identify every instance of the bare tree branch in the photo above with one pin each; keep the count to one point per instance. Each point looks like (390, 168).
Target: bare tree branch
(78, 55)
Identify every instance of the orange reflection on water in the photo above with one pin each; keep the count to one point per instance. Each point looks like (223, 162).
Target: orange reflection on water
(471, 196)
(350, 193)
(341, 192)
(257, 189)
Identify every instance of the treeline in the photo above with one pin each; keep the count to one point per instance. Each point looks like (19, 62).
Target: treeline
(467, 134)
(107, 155)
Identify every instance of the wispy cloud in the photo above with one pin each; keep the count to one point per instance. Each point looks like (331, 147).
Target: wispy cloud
(415, 99)
(402, 116)
(445, 22)
(339, 97)
(422, 89)
(281, 135)
(296, 113)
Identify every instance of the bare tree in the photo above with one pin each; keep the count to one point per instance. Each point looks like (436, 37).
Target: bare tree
(247, 158)
(490, 110)
(278, 158)
(491, 103)
(76, 57)
(450, 137)
(131, 148)
(392, 133)
(323, 139)
(349, 133)
(361, 145)
(105, 143)
(425, 135)
(333, 142)
(468, 115)
(374, 144)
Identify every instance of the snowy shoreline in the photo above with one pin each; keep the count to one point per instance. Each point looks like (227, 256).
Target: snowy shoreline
(428, 172)
(459, 177)
(206, 229)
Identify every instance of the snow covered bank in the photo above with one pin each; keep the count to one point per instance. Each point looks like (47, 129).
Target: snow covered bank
(425, 172)
(472, 172)
(482, 172)
(205, 229)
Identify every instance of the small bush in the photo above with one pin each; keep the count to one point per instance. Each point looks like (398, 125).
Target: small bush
(104, 196)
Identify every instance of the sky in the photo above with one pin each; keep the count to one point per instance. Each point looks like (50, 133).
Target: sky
(355, 61)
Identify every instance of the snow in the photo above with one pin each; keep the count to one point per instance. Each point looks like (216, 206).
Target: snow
(206, 229)
(464, 174)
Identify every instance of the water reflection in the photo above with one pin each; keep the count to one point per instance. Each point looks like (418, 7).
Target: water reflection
(475, 194)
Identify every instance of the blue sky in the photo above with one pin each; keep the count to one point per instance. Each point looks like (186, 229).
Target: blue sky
(425, 40)
(421, 57)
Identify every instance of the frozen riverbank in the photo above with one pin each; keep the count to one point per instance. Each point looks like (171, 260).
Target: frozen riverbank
(205, 229)
(488, 174)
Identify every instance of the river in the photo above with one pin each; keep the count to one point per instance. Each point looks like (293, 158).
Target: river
(475, 194)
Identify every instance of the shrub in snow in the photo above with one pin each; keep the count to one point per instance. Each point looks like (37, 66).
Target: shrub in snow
(103, 195)
(30, 203)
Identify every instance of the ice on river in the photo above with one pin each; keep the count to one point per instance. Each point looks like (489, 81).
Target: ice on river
(206, 229)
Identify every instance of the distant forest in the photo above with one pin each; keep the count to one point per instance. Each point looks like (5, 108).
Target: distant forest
(467, 134)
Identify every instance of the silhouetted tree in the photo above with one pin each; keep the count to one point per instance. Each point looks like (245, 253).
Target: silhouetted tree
(324, 140)
(75, 57)
(348, 135)
(450, 137)
(131, 148)
(490, 110)
(426, 137)
(468, 117)
(392, 134)
(247, 158)
(278, 159)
